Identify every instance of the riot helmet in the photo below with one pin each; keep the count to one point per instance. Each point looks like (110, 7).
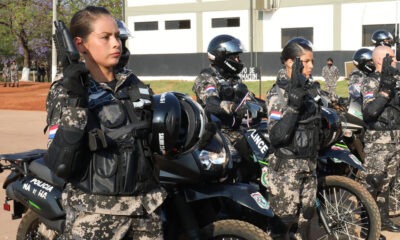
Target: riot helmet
(124, 34)
(177, 125)
(382, 37)
(294, 48)
(362, 59)
(223, 52)
(331, 127)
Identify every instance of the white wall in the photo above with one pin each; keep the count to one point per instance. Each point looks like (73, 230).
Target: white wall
(135, 3)
(163, 41)
(320, 18)
(241, 32)
(355, 15)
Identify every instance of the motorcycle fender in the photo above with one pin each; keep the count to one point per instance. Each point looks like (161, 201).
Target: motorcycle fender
(339, 155)
(241, 193)
(37, 195)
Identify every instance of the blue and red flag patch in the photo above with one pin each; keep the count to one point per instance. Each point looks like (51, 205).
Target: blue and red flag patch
(276, 115)
(52, 131)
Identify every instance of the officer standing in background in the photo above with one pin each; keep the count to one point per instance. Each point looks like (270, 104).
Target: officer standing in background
(381, 113)
(331, 75)
(6, 74)
(14, 74)
(293, 120)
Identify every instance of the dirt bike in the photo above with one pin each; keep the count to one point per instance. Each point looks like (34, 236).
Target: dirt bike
(200, 196)
(345, 208)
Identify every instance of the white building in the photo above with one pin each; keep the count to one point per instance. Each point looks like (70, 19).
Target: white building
(170, 37)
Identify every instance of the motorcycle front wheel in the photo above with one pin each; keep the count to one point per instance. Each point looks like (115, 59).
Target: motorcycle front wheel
(394, 196)
(30, 228)
(347, 210)
(234, 230)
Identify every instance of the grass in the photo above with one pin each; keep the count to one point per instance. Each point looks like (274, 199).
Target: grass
(254, 86)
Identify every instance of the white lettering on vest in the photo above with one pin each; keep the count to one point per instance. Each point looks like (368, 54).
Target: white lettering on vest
(259, 142)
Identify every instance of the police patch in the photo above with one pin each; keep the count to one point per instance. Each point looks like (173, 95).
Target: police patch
(260, 200)
(264, 177)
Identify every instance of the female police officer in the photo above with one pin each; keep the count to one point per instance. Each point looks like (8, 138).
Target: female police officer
(294, 123)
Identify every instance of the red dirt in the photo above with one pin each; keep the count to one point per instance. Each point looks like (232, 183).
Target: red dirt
(28, 96)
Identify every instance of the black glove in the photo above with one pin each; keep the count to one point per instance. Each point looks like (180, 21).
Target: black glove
(241, 111)
(388, 82)
(296, 98)
(297, 79)
(75, 79)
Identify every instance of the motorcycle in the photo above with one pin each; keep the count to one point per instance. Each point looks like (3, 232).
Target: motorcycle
(200, 195)
(345, 208)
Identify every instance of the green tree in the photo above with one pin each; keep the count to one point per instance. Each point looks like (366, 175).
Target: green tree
(29, 24)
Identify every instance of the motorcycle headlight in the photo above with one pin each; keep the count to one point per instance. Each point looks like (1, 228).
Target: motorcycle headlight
(211, 161)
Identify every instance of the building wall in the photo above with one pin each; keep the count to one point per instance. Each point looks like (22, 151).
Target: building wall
(337, 31)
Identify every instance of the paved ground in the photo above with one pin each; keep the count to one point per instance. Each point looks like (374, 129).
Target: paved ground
(19, 131)
(22, 131)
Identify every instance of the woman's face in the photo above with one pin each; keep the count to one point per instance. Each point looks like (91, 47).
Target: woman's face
(307, 58)
(103, 45)
(308, 62)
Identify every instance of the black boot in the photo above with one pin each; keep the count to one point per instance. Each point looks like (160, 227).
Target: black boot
(387, 224)
(280, 227)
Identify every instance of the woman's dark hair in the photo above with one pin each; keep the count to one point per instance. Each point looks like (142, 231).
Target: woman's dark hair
(80, 25)
(295, 48)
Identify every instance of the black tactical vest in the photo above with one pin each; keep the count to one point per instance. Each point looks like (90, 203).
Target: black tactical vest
(390, 117)
(119, 125)
(305, 140)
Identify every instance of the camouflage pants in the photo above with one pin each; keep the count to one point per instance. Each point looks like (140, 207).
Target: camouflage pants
(382, 159)
(331, 89)
(81, 224)
(292, 187)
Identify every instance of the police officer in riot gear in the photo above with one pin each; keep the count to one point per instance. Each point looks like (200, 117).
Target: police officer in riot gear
(381, 114)
(220, 91)
(100, 117)
(294, 122)
(362, 59)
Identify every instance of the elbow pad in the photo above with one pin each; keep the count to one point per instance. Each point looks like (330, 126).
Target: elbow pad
(374, 109)
(68, 154)
(281, 132)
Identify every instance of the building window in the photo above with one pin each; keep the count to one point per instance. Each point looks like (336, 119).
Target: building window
(177, 24)
(146, 26)
(289, 33)
(368, 30)
(225, 22)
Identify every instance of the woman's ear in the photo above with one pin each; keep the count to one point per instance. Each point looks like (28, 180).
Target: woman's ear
(80, 46)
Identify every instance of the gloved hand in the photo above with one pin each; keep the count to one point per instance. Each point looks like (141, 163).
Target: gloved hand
(75, 78)
(387, 82)
(241, 111)
(297, 79)
(296, 98)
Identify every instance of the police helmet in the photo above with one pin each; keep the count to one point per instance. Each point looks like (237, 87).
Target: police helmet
(178, 122)
(124, 34)
(222, 51)
(382, 37)
(331, 127)
(300, 41)
(362, 59)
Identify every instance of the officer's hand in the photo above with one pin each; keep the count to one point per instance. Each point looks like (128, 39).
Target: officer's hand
(387, 82)
(297, 77)
(74, 79)
(296, 98)
(241, 111)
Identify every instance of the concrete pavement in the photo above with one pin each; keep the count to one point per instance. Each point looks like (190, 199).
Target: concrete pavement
(22, 131)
